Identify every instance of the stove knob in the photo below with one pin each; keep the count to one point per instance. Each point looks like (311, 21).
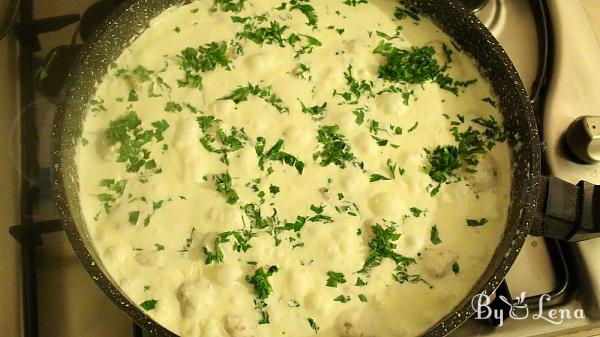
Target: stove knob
(583, 138)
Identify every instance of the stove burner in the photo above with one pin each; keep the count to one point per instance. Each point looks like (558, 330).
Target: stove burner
(475, 5)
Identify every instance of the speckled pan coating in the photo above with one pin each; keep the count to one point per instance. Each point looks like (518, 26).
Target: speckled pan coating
(132, 18)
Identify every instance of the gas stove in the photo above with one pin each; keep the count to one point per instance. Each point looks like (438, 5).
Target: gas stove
(555, 46)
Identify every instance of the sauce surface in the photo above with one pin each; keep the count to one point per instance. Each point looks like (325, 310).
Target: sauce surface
(268, 168)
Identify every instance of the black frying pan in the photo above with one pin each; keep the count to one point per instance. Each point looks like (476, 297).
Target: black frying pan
(533, 198)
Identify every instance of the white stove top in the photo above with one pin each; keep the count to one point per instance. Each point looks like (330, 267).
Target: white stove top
(72, 305)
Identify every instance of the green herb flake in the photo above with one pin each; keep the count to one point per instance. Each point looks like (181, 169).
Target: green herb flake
(476, 223)
(223, 184)
(362, 298)
(263, 289)
(357, 88)
(342, 298)
(302, 72)
(133, 96)
(335, 148)
(360, 115)
(490, 101)
(149, 304)
(313, 325)
(455, 267)
(127, 132)
(173, 107)
(241, 94)
(235, 6)
(159, 247)
(335, 278)
(317, 112)
(274, 189)
(353, 3)
(195, 61)
(435, 236)
(307, 10)
(377, 177)
(276, 153)
(402, 13)
(416, 212)
(133, 217)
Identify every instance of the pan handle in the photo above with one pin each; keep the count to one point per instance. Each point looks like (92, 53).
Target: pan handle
(566, 211)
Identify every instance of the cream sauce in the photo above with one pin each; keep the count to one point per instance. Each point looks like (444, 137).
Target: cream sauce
(152, 235)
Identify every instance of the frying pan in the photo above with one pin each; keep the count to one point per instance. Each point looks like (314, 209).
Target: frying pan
(533, 198)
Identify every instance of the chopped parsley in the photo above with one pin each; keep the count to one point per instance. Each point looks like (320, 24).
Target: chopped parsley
(416, 65)
(274, 189)
(276, 153)
(356, 88)
(360, 282)
(335, 278)
(194, 61)
(133, 217)
(476, 223)
(382, 246)
(402, 13)
(241, 244)
(229, 143)
(455, 267)
(444, 161)
(133, 96)
(159, 247)
(362, 297)
(114, 191)
(317, 111)
(353, 3)
(342, 298)
(319, 216)
(335, 149)
(188, 242)
(490, 101)
(271, 34)
(303, 72)
(128, 133)
(229, 5)
(435, 236)
(223, 183)
(173, 107)
(263, 289)
(360, 115)
(313, 325)
(241, 94)
(377, 177)
(97, 105)
(307, 10)
(149, 304)
(416, 212)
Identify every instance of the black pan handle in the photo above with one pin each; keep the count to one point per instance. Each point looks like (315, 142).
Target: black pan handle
(567, 211)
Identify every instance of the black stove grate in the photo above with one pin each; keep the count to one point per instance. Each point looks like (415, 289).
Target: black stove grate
(30, 233)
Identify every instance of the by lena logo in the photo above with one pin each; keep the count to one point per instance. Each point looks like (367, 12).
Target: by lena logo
(519, 310)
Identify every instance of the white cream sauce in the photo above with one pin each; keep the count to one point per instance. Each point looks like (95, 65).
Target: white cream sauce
(192, 298)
